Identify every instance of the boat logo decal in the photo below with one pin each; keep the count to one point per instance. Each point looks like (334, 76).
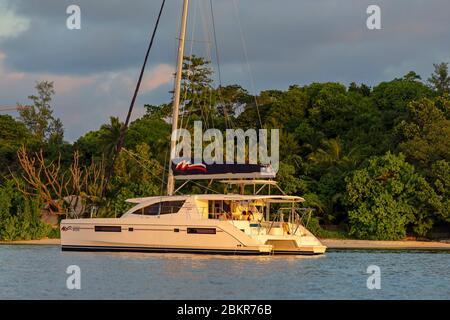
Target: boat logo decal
(64, 228)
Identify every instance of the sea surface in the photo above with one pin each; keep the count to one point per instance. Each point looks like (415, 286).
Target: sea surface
(39, 272)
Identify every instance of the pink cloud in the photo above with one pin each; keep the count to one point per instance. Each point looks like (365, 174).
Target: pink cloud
(104, 83)
(68, 84)
(160, 75)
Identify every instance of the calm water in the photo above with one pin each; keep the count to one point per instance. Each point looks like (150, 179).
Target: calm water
(39, 272)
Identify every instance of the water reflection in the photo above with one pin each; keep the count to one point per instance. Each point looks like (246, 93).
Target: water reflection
(39, 272)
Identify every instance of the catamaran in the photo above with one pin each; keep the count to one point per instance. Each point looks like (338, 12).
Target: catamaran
(232, 223)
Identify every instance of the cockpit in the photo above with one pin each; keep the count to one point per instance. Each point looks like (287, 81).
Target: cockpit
(250, 210)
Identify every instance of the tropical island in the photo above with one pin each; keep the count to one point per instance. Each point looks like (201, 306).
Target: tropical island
(372, 163)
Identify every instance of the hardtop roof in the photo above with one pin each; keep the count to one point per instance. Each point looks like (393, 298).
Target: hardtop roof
(237, 197)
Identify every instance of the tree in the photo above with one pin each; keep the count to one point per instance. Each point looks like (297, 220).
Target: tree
(440, 79)
(387, 197)
(38, 117)
(110, 136)
(330, 155)
(137, 174)
(56, 187)
(158, 112)
(229, 99)
(154, 132)
(12, 135)
(440, 177)
(20, 217)
(425, 134)
(396, 94)
(363, 89)
(285, 108)
(196, 94)
(331, 165)
(289, 181)
(412, 76)
(90, 145)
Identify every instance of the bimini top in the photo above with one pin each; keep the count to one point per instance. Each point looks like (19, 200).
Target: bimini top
(187, 170)
(235, 197)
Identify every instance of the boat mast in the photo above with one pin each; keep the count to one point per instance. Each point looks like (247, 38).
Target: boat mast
(176, 95)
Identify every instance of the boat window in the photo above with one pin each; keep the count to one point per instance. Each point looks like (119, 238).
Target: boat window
(108, 229)
(202, 230)
(217, 208)
(165, 207)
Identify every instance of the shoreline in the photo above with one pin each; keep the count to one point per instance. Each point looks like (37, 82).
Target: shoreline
(338, 244)
(41, 242)
(350, 244)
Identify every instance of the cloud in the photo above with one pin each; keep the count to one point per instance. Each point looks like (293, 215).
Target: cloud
(289, 42)
(162, 74)
(113, 36)
(11, 25)
(85, 102)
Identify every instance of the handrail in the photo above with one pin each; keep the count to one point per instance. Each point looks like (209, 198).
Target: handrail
(295, 217)
(277, 215)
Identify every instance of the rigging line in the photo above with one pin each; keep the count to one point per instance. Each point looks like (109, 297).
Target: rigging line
(190, 59)
(215, 43)
(247, 60)
(208, 50)
(136, 157)
(202, 186)
(164, 172)
(219, 74)
(130, 110)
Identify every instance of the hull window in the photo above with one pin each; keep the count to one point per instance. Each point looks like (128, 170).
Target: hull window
(201, 230)
(108, 229)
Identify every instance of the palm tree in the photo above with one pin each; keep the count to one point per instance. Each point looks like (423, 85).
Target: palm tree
(110, 136)
(333, 157)
(330, 154)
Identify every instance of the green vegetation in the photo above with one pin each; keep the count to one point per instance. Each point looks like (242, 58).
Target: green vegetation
(372, 162)
(20, 217)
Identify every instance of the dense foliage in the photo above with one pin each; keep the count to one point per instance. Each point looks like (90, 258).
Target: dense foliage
(20, 217)
(373, 161)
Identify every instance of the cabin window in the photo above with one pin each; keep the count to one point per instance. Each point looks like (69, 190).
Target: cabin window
(165, 207)
(218, 207)
(108, 229)
(202, 230)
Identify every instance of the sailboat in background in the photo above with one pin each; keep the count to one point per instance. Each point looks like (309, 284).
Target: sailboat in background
(201, 223)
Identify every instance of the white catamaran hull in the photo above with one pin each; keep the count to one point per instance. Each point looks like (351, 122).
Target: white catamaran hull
(176, 234)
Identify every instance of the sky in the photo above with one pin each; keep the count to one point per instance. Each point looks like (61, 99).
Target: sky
(262, 44)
